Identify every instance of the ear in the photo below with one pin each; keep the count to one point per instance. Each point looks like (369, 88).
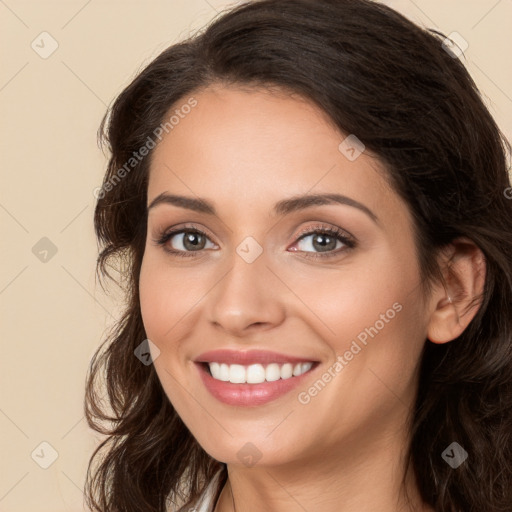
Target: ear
(456, 302)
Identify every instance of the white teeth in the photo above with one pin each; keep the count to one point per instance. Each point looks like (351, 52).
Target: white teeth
(306, 367)
(224, 372)
(286, 371)
(257, 373)
(236, 374)
(221, 371)
(272, 372)
(301, 368)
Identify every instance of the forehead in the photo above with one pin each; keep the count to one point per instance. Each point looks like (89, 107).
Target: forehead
(245, 147)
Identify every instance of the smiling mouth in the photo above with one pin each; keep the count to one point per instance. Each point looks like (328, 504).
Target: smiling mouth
(256, 373)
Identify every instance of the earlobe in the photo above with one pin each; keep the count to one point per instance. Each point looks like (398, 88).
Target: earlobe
(456, 303)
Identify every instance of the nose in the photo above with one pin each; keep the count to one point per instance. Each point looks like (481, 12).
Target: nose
(247, 298)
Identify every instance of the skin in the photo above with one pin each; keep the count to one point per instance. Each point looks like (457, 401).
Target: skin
(244, 150)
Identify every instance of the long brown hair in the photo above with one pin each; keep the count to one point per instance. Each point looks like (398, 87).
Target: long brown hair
(412, 103)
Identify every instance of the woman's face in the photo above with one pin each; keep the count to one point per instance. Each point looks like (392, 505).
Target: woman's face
(257, 281)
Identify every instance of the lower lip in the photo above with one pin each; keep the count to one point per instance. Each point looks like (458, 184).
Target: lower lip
(249, 394)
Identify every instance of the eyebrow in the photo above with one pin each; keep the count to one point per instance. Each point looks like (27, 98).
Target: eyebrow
(281, 208)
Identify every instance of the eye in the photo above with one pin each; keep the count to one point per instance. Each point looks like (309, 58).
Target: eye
(324, 240)
(186, 241)
(327, 241)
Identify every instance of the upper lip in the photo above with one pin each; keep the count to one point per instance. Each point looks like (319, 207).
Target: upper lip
(249, 357)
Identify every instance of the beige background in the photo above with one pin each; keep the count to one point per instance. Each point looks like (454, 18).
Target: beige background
(53, 314)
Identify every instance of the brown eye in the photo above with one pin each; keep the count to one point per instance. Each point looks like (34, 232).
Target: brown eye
(192, 240)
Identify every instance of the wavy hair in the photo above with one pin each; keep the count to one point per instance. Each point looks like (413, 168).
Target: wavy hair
(410, 101)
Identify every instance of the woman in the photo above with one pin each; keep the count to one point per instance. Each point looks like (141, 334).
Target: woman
(310, 203)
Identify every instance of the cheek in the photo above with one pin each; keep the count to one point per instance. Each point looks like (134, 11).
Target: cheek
(162, 305)
(372, 317)
(166, 294)
(149, 296)
(159, 302)
(366, 292)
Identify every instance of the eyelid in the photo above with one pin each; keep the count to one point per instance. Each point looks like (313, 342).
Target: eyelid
(323, 227)
(178, 228)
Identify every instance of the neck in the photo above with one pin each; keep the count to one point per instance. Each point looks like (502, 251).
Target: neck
(368, 478)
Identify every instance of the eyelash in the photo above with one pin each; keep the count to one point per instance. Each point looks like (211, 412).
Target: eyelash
(349, 241)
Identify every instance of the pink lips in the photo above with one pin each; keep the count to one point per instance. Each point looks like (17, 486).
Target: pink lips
(249, 394)
(246, 358)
